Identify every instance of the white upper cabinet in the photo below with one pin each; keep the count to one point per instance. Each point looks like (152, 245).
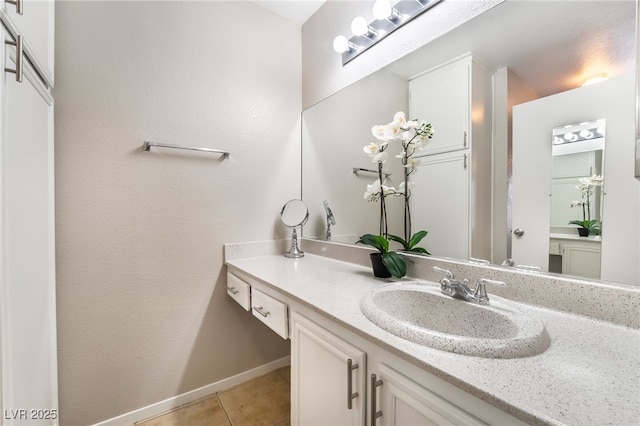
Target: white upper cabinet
(441, 97)
(36, 26)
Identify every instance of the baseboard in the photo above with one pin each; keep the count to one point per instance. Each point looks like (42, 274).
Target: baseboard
(194, 395)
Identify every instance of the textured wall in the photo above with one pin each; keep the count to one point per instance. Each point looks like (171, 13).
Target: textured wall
(142, 309)
(322, 70)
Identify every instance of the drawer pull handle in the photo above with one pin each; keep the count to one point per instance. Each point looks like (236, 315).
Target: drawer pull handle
(233, 290)
(261, 311)
(351, 395)
(375, 413)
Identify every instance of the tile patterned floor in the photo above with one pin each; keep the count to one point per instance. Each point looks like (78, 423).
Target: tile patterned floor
(263, 401)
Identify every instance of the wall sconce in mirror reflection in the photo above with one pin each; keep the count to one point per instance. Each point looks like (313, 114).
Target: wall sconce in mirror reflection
(578, 179)
(388, 18)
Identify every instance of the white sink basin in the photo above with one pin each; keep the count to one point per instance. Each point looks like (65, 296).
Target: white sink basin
(418, 312)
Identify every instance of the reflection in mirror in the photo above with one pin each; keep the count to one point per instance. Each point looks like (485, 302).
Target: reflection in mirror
(577, 198)
(535, 49)
(294, 214)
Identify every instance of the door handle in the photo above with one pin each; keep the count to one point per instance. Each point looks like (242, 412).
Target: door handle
(375, 413)
(19, 57)
(17, 4)
(351, 395)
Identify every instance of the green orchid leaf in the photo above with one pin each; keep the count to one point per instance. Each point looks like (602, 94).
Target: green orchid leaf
(420, 250)
(400, 240)
(395, 263)
(377, 241)
(416, 238)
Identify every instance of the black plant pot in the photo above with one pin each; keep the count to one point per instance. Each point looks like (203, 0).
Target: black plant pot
(583, 232)
(379, 270)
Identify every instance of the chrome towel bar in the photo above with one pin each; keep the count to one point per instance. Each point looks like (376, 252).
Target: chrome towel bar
(360, 169)
(147, 147)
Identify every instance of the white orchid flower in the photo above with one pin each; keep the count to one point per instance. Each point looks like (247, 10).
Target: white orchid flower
(373, 190)
(412, 124)
(406, 136)
(380, 157)
(392, 131)
(411, 162)
(576, 203)
(400, 119)
(371, 149)
(378, 132)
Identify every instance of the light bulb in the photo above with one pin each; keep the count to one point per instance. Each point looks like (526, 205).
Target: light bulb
(340, 44)
(382, 9)
(359, 26)
(586, 134)
(571, 137)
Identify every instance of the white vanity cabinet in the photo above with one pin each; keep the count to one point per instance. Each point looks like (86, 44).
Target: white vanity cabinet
(452, 191)
(327, 377)
(340, 378)
(263, 304)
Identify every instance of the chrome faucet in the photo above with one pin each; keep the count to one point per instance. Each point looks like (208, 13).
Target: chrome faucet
(330, 219)
(454, 288)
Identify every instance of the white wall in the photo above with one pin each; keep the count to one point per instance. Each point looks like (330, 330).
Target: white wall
(322, 70)
(142, 309)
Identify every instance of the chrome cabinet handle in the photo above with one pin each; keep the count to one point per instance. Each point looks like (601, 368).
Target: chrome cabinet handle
(375, 413)
(351, 395)
(18, 5)
(464, 141)
(465, 161)
(261, 311)
(233, 290)
(19, 57)
(519, 232)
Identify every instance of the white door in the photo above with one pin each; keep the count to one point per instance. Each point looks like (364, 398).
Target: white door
(440, 203)
(321, 380)
(531, 186)
(27, 275)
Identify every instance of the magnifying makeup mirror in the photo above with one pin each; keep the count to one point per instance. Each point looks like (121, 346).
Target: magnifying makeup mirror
(294, 214)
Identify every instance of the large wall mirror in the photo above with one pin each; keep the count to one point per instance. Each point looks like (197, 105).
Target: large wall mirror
(540, 50)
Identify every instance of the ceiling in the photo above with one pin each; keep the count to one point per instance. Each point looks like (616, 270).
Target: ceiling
(296, 11)
(551, 45)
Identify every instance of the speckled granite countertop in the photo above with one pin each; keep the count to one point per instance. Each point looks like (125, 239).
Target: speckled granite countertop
(590, 375)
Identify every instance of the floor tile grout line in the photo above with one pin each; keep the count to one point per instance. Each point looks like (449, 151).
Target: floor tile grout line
(224, 410)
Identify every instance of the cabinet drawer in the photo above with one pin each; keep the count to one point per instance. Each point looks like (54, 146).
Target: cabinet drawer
(239, 290)
(271, 312)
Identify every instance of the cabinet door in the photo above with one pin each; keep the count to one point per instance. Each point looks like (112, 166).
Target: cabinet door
(320, 379)
(36, 25)
(27, 274)
(440, 203)
(581, 260)
(441, 97)
(403, 402)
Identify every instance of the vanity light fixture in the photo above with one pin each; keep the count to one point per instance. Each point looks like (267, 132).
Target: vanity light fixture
(589, 134)
(388, 19)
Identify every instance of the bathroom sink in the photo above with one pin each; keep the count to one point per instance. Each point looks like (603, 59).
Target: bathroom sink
(418, 312)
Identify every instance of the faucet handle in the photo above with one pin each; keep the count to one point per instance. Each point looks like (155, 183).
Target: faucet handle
(447, 272)
(481, 292)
